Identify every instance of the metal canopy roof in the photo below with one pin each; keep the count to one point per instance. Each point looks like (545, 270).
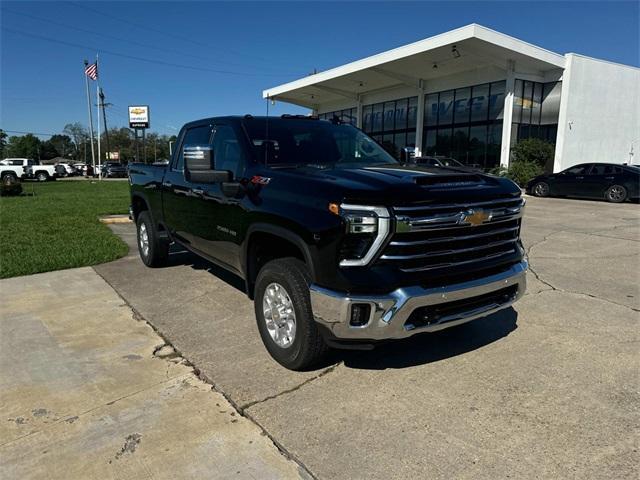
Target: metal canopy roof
(477, 46)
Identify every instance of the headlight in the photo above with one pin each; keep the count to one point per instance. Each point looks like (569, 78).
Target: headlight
(367, 228)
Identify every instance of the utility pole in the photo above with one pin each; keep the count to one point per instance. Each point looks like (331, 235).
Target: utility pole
(104, 117)
(86, 78)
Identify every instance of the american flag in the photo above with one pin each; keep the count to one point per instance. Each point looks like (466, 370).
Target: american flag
(92, 71)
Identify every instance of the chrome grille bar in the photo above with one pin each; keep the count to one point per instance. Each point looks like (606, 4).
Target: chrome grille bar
(454, 264)
(453, 238)
(439, 253)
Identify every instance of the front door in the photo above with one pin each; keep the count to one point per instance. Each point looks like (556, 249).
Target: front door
(177, 193)
(572, 181)
(219, 216)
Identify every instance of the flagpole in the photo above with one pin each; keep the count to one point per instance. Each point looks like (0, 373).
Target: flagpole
(98, 100)
(93, 155)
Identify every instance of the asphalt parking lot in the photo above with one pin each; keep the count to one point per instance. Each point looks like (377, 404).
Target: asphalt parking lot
(549, 389)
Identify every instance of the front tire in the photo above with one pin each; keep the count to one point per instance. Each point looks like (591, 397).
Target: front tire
(284, 316)
(42, 176)
(616, 194)
(541, 189)
(153, 250)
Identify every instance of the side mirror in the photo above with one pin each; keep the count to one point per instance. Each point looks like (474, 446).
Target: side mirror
(199, 165)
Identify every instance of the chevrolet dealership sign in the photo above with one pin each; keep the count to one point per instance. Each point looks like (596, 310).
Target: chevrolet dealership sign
(138, 116)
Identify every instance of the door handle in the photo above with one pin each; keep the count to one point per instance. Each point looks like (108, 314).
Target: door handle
(579, 178)
(608, 178)
(197, 191)
(167, 184)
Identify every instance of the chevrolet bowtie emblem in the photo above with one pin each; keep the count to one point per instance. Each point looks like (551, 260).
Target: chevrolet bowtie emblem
(475, 217)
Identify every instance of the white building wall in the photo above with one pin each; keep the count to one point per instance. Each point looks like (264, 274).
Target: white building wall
(599, 117)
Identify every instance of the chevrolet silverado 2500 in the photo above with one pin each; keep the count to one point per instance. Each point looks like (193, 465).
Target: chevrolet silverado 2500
(338, 244)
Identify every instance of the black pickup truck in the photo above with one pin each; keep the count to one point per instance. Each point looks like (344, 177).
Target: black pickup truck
(338, 244)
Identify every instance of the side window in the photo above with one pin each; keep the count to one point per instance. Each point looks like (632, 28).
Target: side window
(226, 149)
(193, 136)
(578, 170)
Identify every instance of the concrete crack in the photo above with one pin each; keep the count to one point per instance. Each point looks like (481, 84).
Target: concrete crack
(293, 389)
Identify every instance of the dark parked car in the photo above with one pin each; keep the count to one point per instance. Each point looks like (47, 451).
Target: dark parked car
(114, 170)
(337, 243)
(613, 182)
(439, 161)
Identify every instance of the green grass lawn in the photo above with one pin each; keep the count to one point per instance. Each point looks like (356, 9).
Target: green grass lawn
(57, 227)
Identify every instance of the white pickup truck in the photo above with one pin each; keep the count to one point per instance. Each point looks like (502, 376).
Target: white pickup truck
(26, 168)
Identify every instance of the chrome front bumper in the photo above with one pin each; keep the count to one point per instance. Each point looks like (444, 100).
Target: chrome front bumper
(389, 312)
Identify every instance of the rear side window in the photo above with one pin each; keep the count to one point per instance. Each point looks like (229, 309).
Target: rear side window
(193, 136)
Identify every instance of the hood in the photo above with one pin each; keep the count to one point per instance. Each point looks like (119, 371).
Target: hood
(402, 184)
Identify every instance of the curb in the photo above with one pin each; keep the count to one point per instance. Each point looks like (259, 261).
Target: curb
(110, 219)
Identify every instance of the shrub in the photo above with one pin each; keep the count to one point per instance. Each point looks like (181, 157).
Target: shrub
(534, 150)
(10, 186)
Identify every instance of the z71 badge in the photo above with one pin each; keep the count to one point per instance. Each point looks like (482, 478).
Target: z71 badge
(258, 180)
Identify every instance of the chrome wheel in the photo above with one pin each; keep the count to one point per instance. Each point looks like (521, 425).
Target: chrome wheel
(616, 193)
(143, 239)
(42, 177)
(541, 189)
(279, 315)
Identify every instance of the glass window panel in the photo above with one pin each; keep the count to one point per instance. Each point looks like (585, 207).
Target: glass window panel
(377, 117)
(412, 112)
(461, 105)
(366, 118)
(477, 145)
(460, 144)
(551, 103)
(527, 102)
(411, 139)
(443, 141)
(494, 140)
(388, 145)
(445, 108)
(517, 101)
(429, 147)
(479, 103)
(389, 114)
(401, 114)
(536, 103)
(431, 110)
(496, 100)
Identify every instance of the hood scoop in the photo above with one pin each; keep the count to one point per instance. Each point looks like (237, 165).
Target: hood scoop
(448, 181)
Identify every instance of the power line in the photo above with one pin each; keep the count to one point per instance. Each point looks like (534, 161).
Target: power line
(32, 133)
(142, 59)
(139, 25)
(120, 39)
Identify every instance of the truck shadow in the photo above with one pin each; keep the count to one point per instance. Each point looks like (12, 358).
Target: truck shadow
(417, 350)
(433, 347)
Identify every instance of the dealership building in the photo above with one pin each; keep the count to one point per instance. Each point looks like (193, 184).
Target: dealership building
(473, 93)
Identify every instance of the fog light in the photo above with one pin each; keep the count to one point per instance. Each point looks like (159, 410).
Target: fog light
(359, 314)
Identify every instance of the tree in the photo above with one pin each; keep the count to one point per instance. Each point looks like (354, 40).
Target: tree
(3, 142)
(535, 151)
(26, 146)
(79, 135)
(63, 145)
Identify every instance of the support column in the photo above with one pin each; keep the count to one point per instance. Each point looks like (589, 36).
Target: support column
(507, 116)
(359, 112)
(420, 119)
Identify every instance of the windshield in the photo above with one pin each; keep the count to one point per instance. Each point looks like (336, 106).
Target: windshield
(451, 162)
(293, 142)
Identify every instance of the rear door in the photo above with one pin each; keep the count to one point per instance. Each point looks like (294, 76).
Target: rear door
(177, 194)
(600, 177)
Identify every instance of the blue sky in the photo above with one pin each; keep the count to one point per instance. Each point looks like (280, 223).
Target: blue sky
(243, 48)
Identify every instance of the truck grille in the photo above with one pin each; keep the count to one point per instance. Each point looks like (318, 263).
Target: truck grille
(441, 236)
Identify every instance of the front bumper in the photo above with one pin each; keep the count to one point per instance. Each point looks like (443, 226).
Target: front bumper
(391, 314)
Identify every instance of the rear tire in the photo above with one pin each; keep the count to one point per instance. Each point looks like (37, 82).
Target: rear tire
(154, 251)
(616, 194)
(541, 189)
(296, 347)
(42, 176)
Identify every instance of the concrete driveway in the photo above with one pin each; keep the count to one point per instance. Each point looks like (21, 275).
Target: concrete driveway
(549, 389)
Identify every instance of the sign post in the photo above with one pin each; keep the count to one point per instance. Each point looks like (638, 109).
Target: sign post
(139, 120)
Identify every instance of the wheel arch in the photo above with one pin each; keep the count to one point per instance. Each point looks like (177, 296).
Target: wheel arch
(265, 242)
